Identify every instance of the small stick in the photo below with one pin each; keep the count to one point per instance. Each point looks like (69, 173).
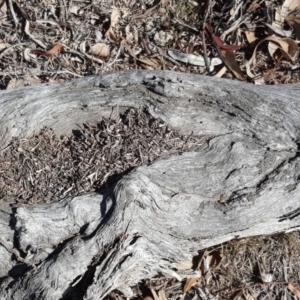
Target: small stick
(11, 7)
(207, 64)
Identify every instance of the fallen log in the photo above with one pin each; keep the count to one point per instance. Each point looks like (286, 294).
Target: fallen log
(241, 181)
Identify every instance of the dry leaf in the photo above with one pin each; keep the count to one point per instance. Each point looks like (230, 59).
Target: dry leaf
(82, 47)
(232, 64)
(2, 45)
(51, 51)
(279, 31)
(288, 6)
(154, 294)
(3, 7)
(147, 298)
(205, 268)
(224, 46)
(289, 45)
(219, 75)
(196, 60)
(74, 9)
(250, 35)
(209, 260)
(295, 291)
(200, 267)
(114, 19)
(190, 282)
(162, 295)
(100, 49)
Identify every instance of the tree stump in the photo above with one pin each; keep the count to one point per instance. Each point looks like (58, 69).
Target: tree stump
(242, 181)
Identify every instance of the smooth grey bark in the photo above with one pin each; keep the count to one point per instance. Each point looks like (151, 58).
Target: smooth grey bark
(241, 181)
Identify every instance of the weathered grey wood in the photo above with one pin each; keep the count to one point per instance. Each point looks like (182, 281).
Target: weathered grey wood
(242, 181)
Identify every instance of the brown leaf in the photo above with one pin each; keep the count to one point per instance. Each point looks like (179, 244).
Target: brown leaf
(287, 47)
(295, 291)
(222, 46)
(232, 64)
(218, 41)
(190, 282)
(49, 52)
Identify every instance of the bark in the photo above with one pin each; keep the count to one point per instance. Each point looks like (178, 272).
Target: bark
(243, 181)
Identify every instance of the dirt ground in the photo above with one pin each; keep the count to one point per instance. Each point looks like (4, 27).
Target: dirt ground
(58, 40)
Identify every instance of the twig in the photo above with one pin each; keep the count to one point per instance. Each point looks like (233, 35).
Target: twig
(141, 155)
(145, 14)
(175, 20)
(11, 7)
(148, 11)
(98, 60)
(207, 64)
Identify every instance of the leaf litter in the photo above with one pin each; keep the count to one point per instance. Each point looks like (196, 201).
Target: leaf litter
(49, 168)
(255, 41)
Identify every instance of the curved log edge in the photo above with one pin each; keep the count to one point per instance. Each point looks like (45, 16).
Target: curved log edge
(242, 182)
